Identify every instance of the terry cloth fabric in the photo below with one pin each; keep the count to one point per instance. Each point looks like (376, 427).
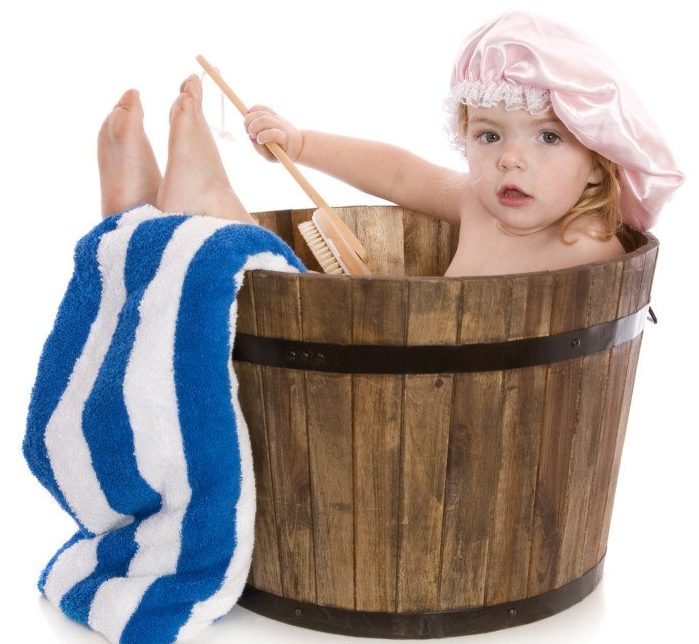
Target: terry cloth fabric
(134, 425)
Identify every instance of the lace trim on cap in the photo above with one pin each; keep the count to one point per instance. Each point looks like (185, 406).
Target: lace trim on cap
(487, 94)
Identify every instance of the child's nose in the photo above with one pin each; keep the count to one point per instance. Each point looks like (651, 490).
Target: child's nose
(512, 156)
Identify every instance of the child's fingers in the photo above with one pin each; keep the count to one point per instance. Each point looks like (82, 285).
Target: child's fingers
(256, 112)
(263, 122)
(271, 136)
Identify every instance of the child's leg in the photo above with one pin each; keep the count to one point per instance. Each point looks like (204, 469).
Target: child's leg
(195, 180)
(129, 174)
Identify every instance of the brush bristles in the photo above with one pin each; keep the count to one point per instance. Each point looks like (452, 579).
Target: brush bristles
(328, 262)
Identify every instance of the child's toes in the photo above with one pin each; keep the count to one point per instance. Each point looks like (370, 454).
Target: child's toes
(130, 101)
(192, 86)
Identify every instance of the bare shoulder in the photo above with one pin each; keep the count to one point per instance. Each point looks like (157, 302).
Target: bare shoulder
(587, 249)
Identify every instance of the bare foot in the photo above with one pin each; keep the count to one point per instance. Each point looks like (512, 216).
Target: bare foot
(195, 180)
(129, 174)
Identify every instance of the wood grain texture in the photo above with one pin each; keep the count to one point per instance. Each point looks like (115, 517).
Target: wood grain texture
(279, 222)
(381, 234)
(326, 314)
(265, 572)
(433, 308)
(602, 307)
(570, 305)
(378, 316)
(378, 413)
(433, 311)
(421, 237)
(474, 451)
(522, 416)
(278, 315)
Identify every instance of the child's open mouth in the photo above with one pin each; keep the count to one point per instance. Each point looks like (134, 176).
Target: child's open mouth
(513, 196)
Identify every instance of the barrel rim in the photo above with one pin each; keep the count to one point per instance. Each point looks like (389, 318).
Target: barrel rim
(651, 243)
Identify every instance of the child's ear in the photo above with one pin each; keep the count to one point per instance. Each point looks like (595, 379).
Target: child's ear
(596, 174)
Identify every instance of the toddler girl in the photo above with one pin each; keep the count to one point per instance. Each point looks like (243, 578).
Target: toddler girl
(560, 152)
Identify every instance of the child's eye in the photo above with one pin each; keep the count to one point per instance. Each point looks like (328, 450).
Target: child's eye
(487, 136)
(549, 137)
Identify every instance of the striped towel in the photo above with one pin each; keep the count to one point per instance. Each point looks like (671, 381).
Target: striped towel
(135, 429)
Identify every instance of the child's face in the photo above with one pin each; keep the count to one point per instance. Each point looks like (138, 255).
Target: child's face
(535, 154)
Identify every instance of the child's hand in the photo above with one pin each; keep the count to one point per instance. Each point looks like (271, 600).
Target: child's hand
(265, 126)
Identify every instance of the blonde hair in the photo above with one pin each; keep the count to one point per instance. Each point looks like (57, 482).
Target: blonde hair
(600, 200)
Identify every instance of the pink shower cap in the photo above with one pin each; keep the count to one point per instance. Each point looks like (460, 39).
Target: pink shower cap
(530, 63)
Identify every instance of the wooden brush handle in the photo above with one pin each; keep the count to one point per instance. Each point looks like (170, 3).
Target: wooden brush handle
(282, 156)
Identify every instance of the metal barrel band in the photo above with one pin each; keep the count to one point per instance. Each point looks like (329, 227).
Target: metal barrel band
(453, 358)
(421, 625)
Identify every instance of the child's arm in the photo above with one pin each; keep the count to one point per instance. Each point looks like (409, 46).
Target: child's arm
(386, 171)
(380, 169)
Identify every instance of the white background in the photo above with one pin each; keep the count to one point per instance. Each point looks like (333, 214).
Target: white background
(371, 69)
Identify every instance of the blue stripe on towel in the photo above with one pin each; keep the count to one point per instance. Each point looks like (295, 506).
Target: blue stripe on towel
(76, 312)
(113, 449)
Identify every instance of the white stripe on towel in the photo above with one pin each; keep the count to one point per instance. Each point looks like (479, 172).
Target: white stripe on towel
(114, 603)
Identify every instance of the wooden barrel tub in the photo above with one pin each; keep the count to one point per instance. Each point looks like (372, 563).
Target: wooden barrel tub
(433, 456)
